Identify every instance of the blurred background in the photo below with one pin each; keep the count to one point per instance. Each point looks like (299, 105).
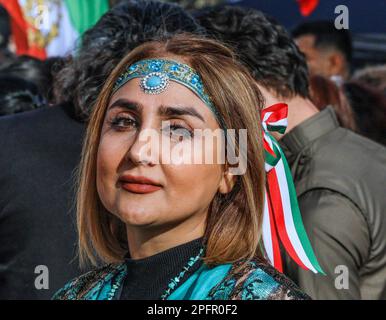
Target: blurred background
(367, 22)
(38, 38)
(43, 28)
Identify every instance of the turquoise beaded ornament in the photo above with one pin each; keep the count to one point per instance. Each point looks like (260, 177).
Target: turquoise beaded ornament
(155, 83)
(156, 75)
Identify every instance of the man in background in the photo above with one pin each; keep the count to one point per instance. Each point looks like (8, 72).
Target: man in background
(328, 50)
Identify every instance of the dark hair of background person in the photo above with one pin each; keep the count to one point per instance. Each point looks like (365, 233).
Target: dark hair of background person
(52, 67)
(373, 76)
(186, 4)
(327, 36)
(127, 25)
(5, 28)
(32, 70)
(369, 106)
(263, 45)
(18, 95)
(325, 92)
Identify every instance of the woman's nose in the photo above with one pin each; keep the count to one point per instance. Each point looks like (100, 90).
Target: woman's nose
(145, 148)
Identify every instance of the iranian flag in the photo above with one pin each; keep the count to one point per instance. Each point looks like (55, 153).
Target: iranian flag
(46, 28)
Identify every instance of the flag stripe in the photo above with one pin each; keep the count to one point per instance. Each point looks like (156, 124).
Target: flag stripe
(275, 240)
(288, 220)
(279, 201)
(19, 25)
(84, 14)
(266, 228)
(298, 223)
(270, 237)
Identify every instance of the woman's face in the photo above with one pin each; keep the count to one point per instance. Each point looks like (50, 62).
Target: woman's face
(144, 189)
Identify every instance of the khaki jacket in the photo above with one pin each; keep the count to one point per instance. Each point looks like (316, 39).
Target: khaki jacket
(340, 178)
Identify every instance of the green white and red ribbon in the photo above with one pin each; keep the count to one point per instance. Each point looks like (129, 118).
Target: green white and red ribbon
(282, 219)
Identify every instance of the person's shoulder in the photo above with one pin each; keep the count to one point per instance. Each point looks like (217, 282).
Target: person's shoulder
(40, 130)
(89, 284)
(349, 148)
(257, 280)
(55, 116)
(33, 114)
(346, 163)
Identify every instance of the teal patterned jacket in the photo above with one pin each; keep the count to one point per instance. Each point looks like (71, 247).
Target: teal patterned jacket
(255, 280)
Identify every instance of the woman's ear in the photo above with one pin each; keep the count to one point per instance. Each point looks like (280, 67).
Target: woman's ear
(227, 182)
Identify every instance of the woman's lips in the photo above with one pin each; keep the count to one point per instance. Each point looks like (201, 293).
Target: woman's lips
(140, 187)
(138, 184)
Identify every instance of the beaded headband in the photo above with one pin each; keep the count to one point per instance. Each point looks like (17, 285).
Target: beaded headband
(156, 74)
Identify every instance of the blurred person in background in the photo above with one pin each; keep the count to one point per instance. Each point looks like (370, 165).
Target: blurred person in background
(369, 106)
(328, 50)
(32, 70)
(5, 33)
(40, 150)
(18, 95)
(324, 93)
(53, 66)
(339, 175)
(373, 76)
(81, 87)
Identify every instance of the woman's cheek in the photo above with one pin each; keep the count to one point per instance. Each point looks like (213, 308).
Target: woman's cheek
(106, 155)
(192, 182)
(109, 157)
(111, 152)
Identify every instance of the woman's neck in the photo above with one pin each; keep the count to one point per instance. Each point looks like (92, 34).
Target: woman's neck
(148, 241)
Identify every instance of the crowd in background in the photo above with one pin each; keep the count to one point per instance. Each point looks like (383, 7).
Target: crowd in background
(358, 96)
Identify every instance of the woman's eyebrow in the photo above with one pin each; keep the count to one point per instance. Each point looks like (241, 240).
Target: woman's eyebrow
(179, 111)
(127, 104)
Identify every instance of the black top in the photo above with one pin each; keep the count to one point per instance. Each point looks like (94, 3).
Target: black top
(39, 151)
(148, 278)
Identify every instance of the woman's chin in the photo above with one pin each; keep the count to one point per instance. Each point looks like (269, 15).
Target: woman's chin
(138, 218)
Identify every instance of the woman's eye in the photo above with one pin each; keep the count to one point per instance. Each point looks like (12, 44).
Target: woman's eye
(121, 122)
(177, 132)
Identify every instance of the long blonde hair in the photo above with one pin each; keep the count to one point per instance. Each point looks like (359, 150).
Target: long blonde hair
(233, 230)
